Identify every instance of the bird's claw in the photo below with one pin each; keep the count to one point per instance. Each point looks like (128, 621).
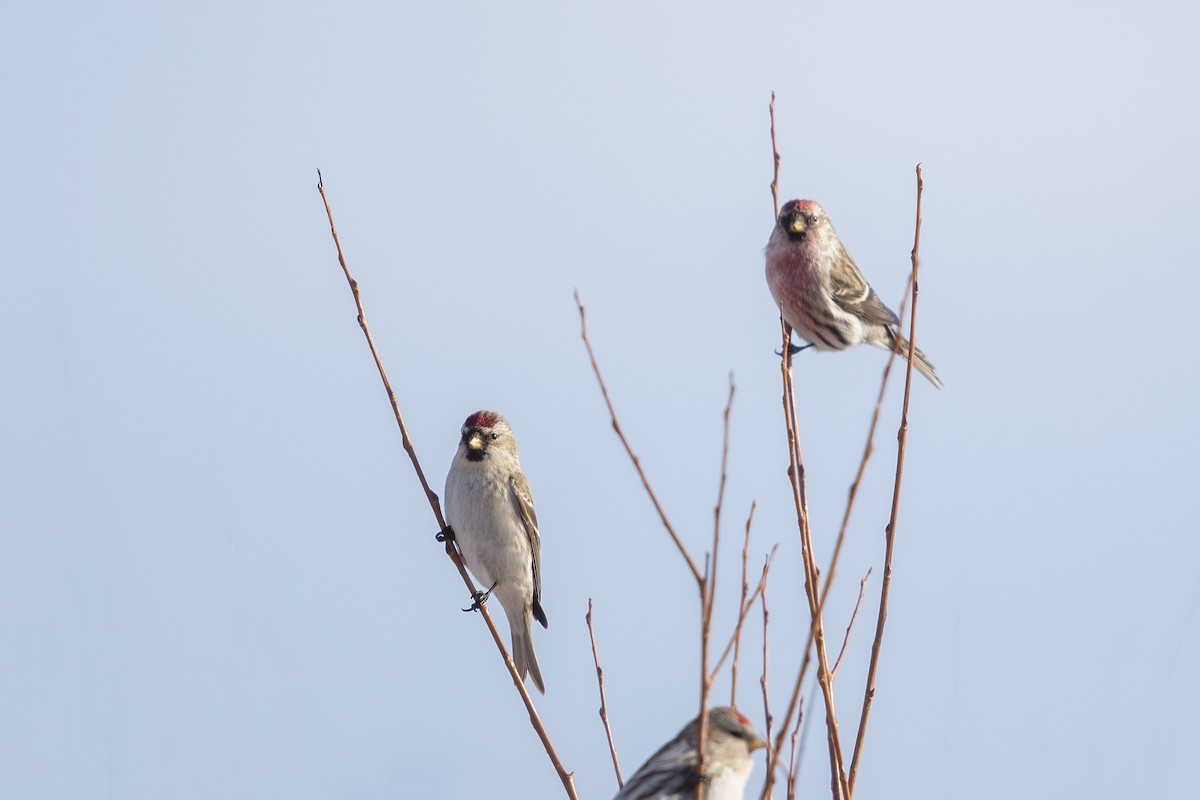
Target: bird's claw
(793, 349)
(446, 534)
(479, 600)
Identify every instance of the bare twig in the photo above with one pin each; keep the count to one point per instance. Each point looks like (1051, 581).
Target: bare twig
(812, 576)
(902, 441)
(747, 604)
(387, 386)
(637, 464)
(794, 704)
(708, 592)
(712, 576)
(798, 760)
(612, 748)
(791, 776)
(862, 588)
(775, 158)
(737, 632)
(793, 764)
(565, 776)
(705, 688)
(768, 720)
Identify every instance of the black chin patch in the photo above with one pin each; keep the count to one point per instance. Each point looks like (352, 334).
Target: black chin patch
(474, 455)
(796, 236)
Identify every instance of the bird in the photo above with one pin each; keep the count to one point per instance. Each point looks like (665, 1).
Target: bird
(820, 291)
(670, 774)
(490, 514)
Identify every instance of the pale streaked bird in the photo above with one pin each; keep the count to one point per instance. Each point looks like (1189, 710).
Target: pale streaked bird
(670, 774)
(489, 510)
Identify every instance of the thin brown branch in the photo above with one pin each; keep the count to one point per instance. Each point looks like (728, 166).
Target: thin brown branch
(747, 604)
(710, 568)
(798, 757)
(387, 386)
(793, 763)
(862, 588)
(637, 464)
(768, 719)
(791, 774)
(816, 598)
(774, 158)
(612, 748)
(794, 704)
(702, 720)
(737, 632)
(902, 441)
(565, 776)
(712, 576)
(708, 590)
(838, 780)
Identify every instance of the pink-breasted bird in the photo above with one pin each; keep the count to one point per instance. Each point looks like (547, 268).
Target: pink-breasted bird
(489, 510)
(821, 292)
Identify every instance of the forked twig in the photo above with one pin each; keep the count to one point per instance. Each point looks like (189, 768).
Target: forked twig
(902, 438)
(612, 748)
(565, 776)
(745, 611)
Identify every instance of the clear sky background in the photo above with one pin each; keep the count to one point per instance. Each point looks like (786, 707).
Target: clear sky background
(218, 577)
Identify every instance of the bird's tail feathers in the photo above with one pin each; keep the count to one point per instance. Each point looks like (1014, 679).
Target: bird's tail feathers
(523, 656)
(919, 360)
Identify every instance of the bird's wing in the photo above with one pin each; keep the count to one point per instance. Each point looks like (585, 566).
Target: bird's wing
(850, 291)
(522, 501)
(669, 774)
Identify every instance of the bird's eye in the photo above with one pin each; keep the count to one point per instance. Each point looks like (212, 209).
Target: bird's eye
(495, 436)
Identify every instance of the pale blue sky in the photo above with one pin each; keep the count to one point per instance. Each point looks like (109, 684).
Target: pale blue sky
(217, 571)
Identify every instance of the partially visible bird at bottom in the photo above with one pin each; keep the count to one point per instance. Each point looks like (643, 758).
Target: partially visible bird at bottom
(670, 774)
(820, 291)
(489, 511)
